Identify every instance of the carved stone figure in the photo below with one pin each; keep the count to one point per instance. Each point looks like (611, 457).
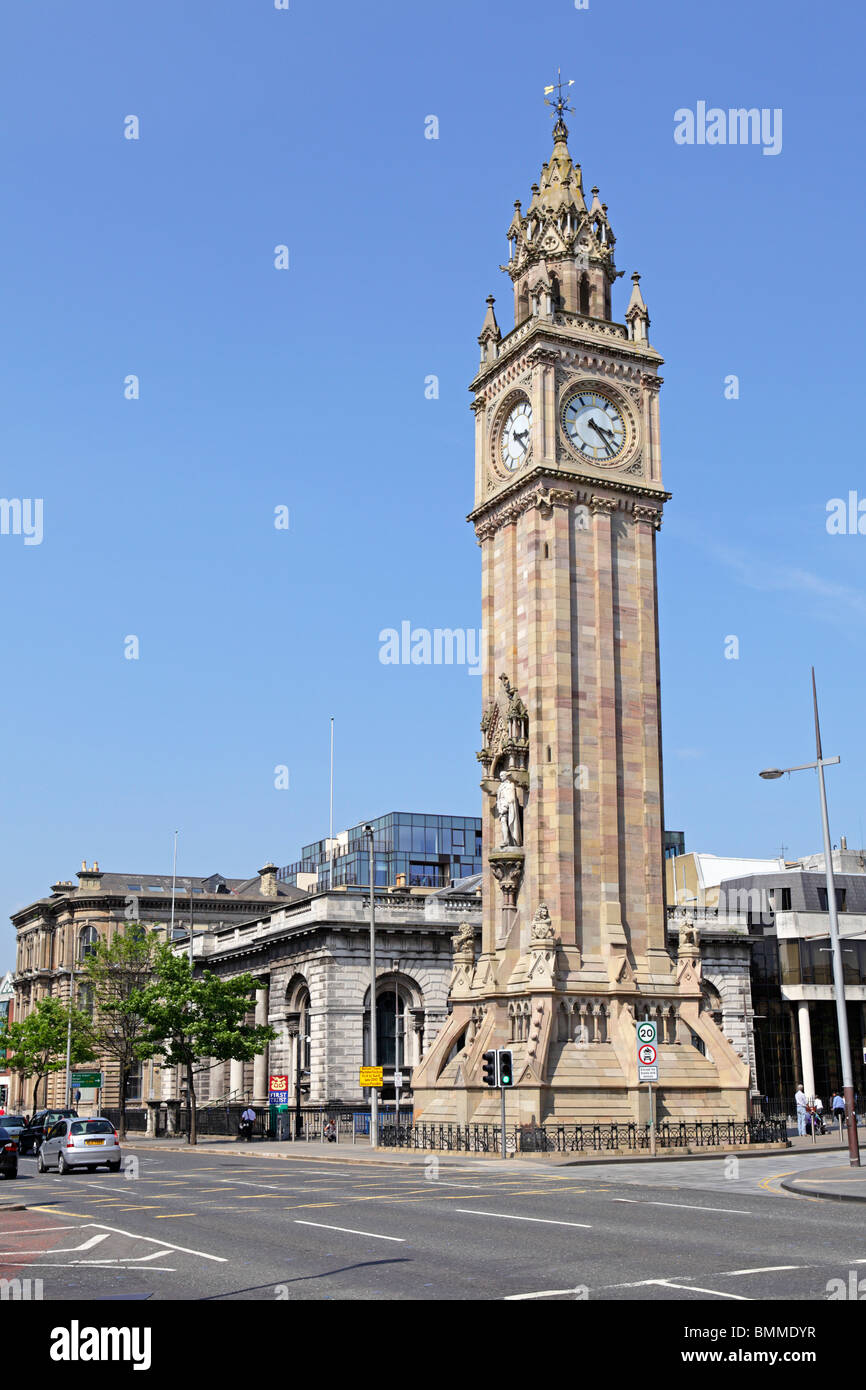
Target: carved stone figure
(508, 811)
(463, 941)
(542, 926)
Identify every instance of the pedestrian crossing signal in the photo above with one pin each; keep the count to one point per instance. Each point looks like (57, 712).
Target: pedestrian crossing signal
(506, 1069)
(490, 1068)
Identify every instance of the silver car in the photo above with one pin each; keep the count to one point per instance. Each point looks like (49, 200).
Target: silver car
(74, 1143)
(14, 1123)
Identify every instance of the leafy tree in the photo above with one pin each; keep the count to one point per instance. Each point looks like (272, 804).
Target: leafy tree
(188, 1017)
(36, 1045)
(114, 971)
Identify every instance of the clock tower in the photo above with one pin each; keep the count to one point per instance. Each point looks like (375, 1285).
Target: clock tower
(568, 506)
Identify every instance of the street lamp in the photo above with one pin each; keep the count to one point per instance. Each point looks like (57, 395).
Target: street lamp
(395, 966)
(770, 774)
(374, 1094)
(66, 970)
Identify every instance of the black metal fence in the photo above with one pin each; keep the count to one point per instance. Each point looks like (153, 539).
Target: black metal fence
(560, 1138)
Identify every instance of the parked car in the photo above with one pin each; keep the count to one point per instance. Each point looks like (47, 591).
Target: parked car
(8, 1153)
(14, 1123)
(73, 1143)
(33, 1134)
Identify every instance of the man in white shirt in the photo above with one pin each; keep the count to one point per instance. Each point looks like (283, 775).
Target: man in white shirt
(801, 1103)
(248, 1119)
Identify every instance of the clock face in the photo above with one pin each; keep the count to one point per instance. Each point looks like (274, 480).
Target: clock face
(516, 435)
(594, 425)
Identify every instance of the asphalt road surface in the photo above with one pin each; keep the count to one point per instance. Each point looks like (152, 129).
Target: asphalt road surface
(226, 1225)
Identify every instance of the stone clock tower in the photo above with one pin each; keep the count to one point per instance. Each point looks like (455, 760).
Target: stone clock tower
(568, 505)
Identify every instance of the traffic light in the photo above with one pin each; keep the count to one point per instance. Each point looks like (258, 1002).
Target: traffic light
(506, 1069)
(490, 1068)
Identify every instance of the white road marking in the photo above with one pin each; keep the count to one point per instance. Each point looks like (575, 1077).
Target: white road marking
(61, 1250)
(91, 1264)
(693, 1288)
(349, 1232)
(506, 1216)
(34, 1230)
(763, 1269)
(182, 1249)
(686, 1206)
(545, 1293)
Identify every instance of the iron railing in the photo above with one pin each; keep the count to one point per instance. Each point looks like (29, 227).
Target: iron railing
(583, 1138)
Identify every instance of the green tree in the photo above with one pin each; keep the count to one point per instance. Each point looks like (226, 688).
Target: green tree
(36, 1045)
(114, 971)
(189, 1017)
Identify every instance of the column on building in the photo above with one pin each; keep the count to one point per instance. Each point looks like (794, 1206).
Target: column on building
(808, 1077)
(261, 1061)
(236, 1079)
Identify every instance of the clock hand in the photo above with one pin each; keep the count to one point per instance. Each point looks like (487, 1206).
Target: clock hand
(603, 433)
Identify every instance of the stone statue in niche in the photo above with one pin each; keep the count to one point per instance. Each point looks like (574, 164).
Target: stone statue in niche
(508, 811)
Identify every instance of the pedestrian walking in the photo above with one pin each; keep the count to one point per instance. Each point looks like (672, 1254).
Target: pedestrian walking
(248, 1119)
(838, 1106)
(801, 1104)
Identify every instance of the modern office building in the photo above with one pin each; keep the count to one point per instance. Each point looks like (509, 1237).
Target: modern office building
(411, 849)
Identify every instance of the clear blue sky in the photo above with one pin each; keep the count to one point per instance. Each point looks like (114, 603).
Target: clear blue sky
(306, 388)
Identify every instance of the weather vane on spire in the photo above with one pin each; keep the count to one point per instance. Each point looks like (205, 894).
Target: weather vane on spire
(560, 104)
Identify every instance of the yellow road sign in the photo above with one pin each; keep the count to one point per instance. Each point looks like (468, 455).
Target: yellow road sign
(372, 1076)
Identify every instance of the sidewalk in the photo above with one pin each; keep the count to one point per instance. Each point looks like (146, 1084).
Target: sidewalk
(346, 1153)
(837, 1182)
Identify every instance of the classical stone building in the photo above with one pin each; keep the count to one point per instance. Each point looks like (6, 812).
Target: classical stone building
(568, 503)
(56, 933)
(313, 959)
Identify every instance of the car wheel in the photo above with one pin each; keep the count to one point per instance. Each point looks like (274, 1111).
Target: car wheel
(91, 1167)
(13, 1174)
(62, 1165)
(40, 1163)
(114, 1167)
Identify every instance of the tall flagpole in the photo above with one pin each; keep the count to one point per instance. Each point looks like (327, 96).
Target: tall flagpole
(173, 881)
(331, 829)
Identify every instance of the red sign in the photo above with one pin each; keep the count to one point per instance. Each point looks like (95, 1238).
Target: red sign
(278, 1083)
(646, 1055)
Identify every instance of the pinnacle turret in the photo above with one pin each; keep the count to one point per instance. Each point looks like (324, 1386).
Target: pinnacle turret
(559, 239)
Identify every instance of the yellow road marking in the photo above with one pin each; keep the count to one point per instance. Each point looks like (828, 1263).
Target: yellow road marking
(54, 1212)
(171, 1215)
(299, 1205)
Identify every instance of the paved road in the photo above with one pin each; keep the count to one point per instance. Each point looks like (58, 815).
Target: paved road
(227, 1226)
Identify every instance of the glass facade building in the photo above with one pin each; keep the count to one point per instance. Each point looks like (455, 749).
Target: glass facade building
(411, 849)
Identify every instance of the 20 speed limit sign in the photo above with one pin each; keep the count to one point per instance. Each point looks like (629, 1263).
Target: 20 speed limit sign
(646, 1033)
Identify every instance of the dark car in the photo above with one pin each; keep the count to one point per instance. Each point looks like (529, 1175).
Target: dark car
(32, 1136)
(8, 1154)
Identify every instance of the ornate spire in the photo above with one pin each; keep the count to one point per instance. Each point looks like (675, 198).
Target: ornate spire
(571, 243)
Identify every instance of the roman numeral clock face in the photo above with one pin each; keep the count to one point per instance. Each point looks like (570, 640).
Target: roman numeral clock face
(515, 436)
(594, 426)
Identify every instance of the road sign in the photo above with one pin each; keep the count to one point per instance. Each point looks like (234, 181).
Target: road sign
(648, 1073)
(647, 1055)
(398, 1079)
(371, 1076)
(646, 1033)
(86, 1078)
